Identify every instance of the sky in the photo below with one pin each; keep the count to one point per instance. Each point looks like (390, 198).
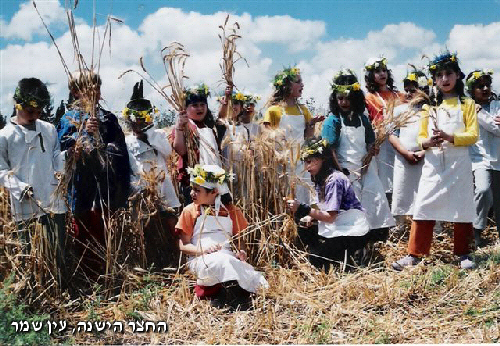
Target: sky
(319, 36)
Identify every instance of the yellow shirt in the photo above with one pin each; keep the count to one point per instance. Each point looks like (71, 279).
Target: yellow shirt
(462, 138)
(274, 113)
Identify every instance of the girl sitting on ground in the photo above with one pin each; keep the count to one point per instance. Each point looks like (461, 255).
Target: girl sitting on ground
(207, 228)
(342, 223)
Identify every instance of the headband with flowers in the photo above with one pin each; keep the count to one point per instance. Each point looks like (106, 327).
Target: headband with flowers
(441, 60)
(315, 148)
(133, 115)
(476, 75)
(238, 97)
(29, 100)
(209, 176)
(345, 89)
(200, 90)
(418, 77)
(251, 99)
(288, 74)
(375, 63)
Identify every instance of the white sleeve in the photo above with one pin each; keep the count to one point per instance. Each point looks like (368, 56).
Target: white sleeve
(9, 180)
(487, 121)
(159, 140)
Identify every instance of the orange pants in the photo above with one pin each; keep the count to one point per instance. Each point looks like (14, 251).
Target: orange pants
(421, 237)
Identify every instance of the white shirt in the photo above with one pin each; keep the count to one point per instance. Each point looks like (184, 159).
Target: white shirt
(485, 153)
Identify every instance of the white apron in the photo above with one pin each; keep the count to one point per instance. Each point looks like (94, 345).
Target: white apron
(385, 160)
(369, 190)
(220, 266)
(446, 186)
(349, 223)
(294, 127)
(406, 176)
(209, 150)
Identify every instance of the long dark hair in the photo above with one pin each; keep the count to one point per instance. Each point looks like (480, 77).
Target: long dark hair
(327, 167)
(209, 120)
(356, 97)
(373, 86)
(459, 86)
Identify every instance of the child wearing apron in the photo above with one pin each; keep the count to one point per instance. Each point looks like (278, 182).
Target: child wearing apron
(342, 223)
(445, 191)
(207, 228)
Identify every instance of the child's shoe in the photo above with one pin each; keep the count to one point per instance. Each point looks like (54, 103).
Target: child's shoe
(466, 262)
(407, 261)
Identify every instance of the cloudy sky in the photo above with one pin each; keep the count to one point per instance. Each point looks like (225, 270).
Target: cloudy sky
(317, 35)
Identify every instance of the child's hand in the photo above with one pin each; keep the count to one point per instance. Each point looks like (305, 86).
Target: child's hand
(410, 157)
(443, 135)
(317, 119)
(434, 141)
(212, 249)
(497, 120)
(92, 125)
(291, 204)
(241, 255)
(419, 155)
(182, 120)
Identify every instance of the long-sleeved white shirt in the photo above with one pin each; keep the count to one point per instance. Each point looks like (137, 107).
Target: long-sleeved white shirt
(31, 158)
(485, 153)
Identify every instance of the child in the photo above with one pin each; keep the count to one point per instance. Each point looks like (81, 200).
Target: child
(148, 149)
(101, 178)
(30, 156)
(351, 134)
(409, 158)
(485, 152)
(293, 118)
(248, 120)
(342, 222)
(206, 228)
(445, 190)
(381, 91)
(199, 123)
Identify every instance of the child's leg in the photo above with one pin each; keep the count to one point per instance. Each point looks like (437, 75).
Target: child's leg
(482, 198)
(420, 240)
(462, 235)
(495, 188)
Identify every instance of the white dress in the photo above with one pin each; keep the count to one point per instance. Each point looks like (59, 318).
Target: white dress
(369, 189)
(445, 191)
(143, 158)
(220, 266)
(406, 176)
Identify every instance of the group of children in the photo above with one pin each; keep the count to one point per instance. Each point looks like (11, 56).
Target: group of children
(441, 164)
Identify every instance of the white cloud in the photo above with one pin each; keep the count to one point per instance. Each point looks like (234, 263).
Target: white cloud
(26, 23)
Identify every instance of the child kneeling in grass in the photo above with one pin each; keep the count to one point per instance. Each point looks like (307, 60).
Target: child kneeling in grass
(207, 227)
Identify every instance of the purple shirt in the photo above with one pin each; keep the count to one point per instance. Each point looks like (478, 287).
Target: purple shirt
(339, 194)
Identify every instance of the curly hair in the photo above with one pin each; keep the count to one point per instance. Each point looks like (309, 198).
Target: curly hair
(373, 86)
(356, 97)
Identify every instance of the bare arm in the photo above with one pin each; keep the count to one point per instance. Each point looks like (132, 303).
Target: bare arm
(179, 144)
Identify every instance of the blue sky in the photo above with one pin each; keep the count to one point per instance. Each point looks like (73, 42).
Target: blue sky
(343, 32)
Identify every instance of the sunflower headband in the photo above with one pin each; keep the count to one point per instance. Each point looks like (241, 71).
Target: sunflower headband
(313, 149)
(238, 96)
(375, 63)
(440, 60)
(200, 90)
(28, 100)
(133, 115)
(209, 176)
(421, 80)
(344, 89)
(290, 73)
(476, 75)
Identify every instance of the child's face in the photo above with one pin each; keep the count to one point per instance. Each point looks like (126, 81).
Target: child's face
(410, 90)
(482, 90)
(236, 109)
(201, 195)
(296, 87)
(250, 108)
(28, 115)
(197, 111)
(380, 75)
(446, 80)
(344, 102)
(313, 165)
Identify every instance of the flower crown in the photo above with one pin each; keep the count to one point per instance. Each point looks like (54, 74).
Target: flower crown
(345, 89)
(313, 149)
(214, 176)
(29, 100)
(251, 98)
(441, 60)
(200, 90)
(289, 73)
(133, 115)
(476, 75)
(238, 96)
(375, 63)
(419, 78)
